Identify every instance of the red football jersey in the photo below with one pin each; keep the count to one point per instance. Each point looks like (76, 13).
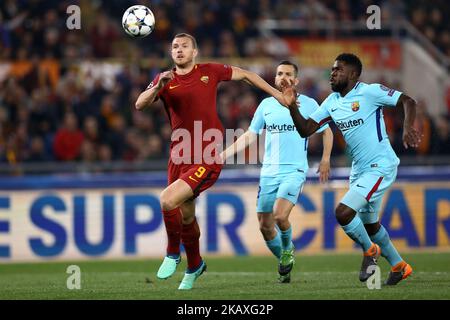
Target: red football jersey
(191, 98)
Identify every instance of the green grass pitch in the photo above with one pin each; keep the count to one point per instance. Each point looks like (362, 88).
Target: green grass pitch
(314, 277)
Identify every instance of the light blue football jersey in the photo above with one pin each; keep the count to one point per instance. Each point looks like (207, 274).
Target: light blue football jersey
(359, 116)
(285, 149)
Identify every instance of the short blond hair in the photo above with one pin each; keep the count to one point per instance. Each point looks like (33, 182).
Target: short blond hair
(186, 35)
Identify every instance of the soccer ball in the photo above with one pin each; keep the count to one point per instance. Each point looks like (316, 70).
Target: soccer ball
(138, 21)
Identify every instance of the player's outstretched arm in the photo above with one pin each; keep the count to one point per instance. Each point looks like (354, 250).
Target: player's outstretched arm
(324, 166)
(411, 136)
(304, 127)
(240, 144)
(255, 80)
(149, 96)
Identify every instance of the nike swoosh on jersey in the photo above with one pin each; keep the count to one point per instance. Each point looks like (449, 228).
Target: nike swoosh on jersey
(333, 110)
(292, 195)
(173, 87)
(267, 113)
(360, 186)
(190, 177)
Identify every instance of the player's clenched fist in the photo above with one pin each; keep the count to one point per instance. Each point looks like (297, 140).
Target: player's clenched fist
(165, 77)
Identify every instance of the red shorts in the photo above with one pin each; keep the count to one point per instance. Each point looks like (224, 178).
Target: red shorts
(198, 176)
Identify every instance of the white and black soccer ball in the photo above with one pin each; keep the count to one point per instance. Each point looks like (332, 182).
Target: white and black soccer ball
(138, 21)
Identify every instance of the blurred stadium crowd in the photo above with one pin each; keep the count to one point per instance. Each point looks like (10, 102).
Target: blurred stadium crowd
(47, 113)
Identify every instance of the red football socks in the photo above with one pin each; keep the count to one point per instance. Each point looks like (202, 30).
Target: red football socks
(190, 237)
(173, 220)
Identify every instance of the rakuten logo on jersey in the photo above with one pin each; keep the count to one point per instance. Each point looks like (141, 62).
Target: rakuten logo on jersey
(350, 124)
(280, 127)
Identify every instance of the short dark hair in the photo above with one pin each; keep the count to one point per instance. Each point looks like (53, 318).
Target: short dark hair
(351, 59)
(187, 35)
(289, 63)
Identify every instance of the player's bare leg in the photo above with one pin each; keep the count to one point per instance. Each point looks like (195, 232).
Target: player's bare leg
(175, 194)
(171, 199)
(267, 226)
(282, 210)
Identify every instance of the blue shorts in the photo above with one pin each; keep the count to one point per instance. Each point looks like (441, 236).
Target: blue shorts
(366, 193)
(287, 186)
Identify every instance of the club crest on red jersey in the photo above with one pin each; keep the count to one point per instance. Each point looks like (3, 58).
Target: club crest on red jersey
(204, 79)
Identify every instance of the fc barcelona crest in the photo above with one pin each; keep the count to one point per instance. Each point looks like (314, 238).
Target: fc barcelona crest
(355, 106)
